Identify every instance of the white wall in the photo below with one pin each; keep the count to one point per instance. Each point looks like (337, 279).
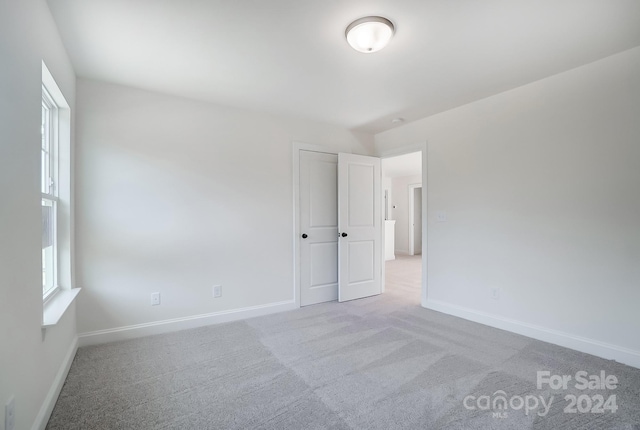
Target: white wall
(540, 186)
(28, 364)
(400, 191)
(175, 196)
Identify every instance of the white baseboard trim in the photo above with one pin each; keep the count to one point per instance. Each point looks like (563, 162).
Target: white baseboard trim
(567, 340)
(401, 251)
(176, 324)
(52, 396)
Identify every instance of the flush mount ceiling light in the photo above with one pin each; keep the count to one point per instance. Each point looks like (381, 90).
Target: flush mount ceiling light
(369, 34)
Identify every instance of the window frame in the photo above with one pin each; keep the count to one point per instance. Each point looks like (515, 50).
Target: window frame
(49, 184)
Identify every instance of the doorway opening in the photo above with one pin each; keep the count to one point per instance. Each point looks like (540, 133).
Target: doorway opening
(403, 230)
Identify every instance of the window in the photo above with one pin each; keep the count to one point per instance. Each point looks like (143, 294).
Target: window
(58, 290)
(48, 188)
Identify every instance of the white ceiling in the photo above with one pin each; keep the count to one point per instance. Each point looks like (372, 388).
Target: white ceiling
(402, 165)
(290, 57)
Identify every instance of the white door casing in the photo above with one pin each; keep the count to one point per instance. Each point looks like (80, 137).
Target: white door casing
(359, 220)
(319, 222)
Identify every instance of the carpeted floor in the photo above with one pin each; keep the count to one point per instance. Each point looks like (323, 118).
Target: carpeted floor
(377, 363)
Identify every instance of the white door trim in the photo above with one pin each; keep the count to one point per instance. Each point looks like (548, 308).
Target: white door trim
(407, 149)
(296, 148)
(410, 190)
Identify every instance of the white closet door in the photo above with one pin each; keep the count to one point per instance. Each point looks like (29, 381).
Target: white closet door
(359, 218)
(318, 227)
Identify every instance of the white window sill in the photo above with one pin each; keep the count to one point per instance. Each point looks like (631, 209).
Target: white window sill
(57, 305)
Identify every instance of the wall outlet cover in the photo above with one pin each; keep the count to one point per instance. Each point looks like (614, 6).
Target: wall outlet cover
(155, 299)
(217, 291)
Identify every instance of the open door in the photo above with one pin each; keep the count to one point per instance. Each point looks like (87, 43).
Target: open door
(318, 227)
(359, 218)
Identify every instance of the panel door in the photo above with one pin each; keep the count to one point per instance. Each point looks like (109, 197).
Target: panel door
(319, 223)
(359, 218)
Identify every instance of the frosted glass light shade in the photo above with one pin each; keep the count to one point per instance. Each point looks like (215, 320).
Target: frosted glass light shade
(369, 34)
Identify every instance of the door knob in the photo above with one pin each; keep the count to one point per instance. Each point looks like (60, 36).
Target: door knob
(304, 235)
(344, 235)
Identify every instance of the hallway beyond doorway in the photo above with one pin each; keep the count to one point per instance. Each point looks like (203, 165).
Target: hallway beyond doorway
(403, 278)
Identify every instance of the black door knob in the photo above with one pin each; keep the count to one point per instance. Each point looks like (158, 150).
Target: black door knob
(304, 235)
(344, 235)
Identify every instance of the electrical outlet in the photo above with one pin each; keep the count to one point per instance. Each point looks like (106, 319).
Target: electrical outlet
(10, 414)
(155, 299)
(441, 216)
(495, 293)
(217, 291)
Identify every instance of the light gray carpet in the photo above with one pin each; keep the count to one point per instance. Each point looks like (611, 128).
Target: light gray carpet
(376, 363)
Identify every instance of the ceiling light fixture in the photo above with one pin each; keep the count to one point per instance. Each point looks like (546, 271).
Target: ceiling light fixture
(369, 34)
